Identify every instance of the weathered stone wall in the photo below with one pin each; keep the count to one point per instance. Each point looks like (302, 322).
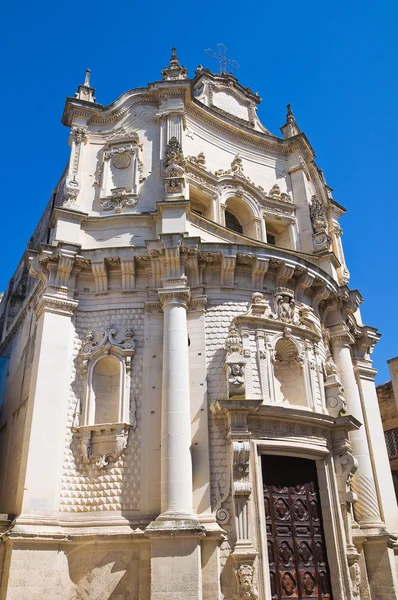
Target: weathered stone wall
(89, 571)
(13, 427)
(387, 405)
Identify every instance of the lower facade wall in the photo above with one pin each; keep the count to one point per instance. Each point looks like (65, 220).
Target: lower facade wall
(81, 571)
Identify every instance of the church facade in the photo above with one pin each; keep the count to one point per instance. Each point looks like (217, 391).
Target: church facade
(189, 408)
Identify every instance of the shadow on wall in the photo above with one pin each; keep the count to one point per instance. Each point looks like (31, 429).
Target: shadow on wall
(100, 571)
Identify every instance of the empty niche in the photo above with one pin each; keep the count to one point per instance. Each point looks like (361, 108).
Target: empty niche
(106, 385)
(289, 378)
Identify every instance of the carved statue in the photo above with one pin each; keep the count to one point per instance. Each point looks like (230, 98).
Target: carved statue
(237, 165)
(318, 215)
(355, 573)
(245, 576)
(285, 308)
(174, 167)
(235, 363)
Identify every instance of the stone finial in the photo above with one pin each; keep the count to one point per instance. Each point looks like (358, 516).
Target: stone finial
(174, 70)
(85, 91)
(290, 128)
(87, 78)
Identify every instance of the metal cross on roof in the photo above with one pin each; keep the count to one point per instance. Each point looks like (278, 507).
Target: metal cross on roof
(222, 58)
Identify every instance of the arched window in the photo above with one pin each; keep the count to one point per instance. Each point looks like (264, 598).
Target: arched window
(106, 390)
(231, 222)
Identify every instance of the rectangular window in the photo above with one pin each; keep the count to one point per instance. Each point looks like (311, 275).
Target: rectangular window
(391, 437)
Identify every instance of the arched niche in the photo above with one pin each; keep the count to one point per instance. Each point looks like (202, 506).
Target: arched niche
(201, 203)
(244, 214)
(288, 373)
(279, 233)
(103, 420)
(106, 387)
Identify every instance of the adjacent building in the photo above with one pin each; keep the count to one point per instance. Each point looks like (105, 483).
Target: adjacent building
(189, 408)
(387, 394)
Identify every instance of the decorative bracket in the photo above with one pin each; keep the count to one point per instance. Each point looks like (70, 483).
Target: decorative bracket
(101, 444)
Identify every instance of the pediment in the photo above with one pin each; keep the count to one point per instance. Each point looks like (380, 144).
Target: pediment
(225, 94)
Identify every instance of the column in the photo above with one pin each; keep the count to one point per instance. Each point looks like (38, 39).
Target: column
(367, 512)
(175, 535)
(374, 429)
(176, 466)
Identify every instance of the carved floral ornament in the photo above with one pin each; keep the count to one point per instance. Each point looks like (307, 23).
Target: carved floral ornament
(102, 443)
(174, 168)
(236, 171)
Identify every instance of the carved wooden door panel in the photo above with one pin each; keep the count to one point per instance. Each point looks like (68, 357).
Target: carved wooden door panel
(296, 543)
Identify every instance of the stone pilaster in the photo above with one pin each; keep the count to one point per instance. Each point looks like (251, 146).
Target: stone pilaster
(43, 449)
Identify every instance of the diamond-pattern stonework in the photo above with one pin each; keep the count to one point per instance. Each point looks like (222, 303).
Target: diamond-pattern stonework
(115, 487)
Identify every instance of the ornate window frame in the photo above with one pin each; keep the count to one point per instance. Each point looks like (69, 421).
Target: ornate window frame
(123, 154)
(105, 442)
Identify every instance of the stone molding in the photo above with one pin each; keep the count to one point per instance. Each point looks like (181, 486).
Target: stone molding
(56, 305)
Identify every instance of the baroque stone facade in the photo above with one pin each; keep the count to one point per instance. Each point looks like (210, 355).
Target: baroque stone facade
(189, 408)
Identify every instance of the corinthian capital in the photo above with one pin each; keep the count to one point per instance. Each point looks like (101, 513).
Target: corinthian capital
(175, 296)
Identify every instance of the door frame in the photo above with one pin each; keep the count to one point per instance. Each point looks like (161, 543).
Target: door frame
(333, 525)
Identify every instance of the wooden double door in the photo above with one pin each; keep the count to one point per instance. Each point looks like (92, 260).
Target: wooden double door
(298, 564)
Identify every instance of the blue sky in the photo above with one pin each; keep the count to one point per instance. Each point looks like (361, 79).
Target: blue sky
(335, 62)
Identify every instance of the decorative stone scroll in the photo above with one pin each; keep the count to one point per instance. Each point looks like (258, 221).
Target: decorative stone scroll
(199, 160)
(174, 168)
(92, 349)
(118, 200)
(240, 470)
(102, 444)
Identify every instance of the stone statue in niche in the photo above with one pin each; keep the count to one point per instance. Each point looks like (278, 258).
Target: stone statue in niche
(285, 307)
(235, 363)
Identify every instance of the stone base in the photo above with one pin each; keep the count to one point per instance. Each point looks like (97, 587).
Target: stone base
(176, 571)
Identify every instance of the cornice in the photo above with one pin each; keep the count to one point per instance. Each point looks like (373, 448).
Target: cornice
(225, 79)
(255, 407)
(244, 133)
(99, 114)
